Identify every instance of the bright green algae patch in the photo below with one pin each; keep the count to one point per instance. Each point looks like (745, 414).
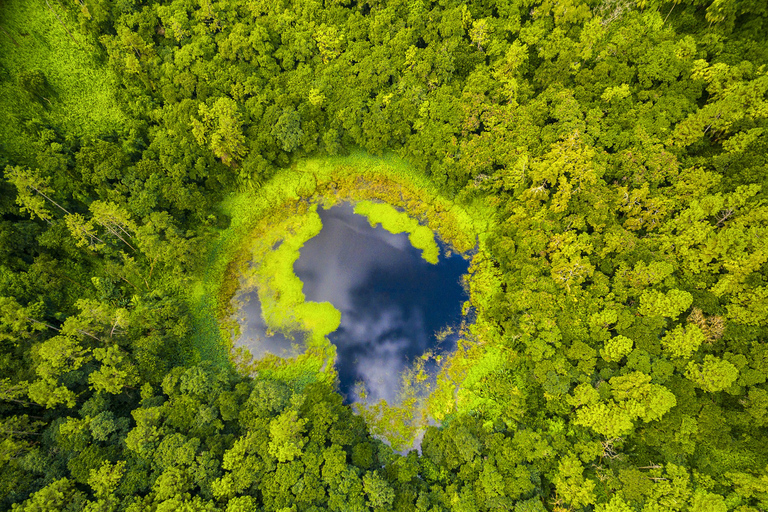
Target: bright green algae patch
(268, 227)
(395, 221)
(280, 290)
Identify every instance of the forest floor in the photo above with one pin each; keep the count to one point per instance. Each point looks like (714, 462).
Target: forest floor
(37, 35)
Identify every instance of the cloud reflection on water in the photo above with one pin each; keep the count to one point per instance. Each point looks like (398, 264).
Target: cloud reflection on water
(391, 300)
(254, 334)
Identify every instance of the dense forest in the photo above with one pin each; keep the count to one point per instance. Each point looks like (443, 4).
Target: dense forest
(618, 359)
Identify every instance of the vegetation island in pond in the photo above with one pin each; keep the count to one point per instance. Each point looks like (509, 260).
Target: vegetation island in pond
(183, 326)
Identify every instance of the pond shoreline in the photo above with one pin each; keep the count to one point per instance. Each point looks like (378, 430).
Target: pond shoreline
(270, 225)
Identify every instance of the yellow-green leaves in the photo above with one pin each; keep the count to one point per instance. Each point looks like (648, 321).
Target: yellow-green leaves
(683, 341)
(584, 394)
(242, 464)
(603, 319)
(737, 95)
(57, 356)
(116, 371)
(713, 374)
(105, 479)
(58, 495)
(571, 484)
(569, 168)
(670, 490)
(115, 219)
(285, 433)
(670, 304)
(330, 41)
(220, 127)
(633, 397)
(83, 231)
(751, 485)
(111, 217)
(377, 490)
(635, 390)
(175, 21)
(395, 221)
(615, 505)
(616, 93)
(507, 69)
(647, 274)
(570, 264)
(17, 323)
(616, 348)
(480, 33)
(33, 192)
(641, 209)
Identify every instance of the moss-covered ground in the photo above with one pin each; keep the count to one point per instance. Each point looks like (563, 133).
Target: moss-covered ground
(37, 35)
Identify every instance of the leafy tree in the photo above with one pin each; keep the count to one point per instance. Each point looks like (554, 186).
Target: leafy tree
(683, 342)
(378, 491)
(632, 397)
(713, 374)
(287, 130)
(33, 192)
(60, 495)
(221, 129)
(571, 485)
(616, 348)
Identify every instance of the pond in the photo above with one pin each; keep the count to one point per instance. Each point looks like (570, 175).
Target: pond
(392, 301)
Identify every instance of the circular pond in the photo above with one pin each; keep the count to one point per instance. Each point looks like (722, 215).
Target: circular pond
(395, 306)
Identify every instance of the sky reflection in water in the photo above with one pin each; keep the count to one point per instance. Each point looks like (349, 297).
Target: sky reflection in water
(392, 302)
(253, 330)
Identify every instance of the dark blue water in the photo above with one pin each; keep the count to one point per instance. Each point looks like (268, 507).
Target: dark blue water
(392, 302)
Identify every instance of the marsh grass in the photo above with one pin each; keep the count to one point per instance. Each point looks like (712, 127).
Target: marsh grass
(78, 97)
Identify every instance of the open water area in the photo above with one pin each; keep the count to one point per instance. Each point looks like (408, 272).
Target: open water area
(392, 302)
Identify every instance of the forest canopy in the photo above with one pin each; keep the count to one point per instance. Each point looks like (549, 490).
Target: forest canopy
(618, 357)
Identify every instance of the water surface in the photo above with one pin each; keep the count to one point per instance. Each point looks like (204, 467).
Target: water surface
(392, 302)
(254, 334)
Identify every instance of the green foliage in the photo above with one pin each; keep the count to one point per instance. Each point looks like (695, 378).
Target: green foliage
(285, 433)
(683, 342)
(378, 491)
(616, 348)
(670, 304)
(713, 374)
(571, 485)
(632, 397)
(421, 237)
(221, 129)
(31, 192)
(602, 164)
(287, 130)
(104, 480)
(60, 495)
